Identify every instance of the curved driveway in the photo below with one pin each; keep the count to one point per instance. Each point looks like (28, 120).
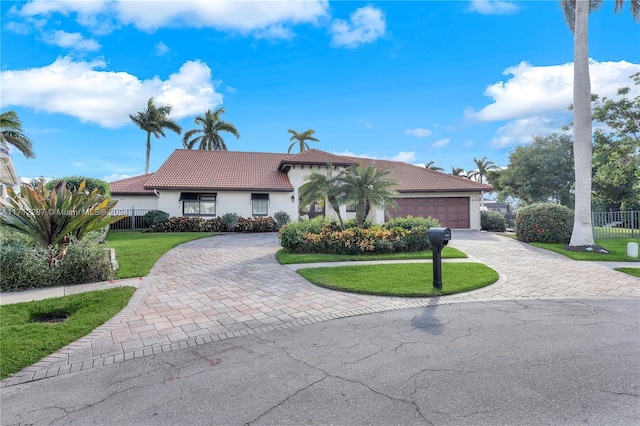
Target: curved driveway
(228, 286)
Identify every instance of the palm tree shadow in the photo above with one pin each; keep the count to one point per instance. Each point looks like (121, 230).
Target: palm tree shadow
(427, 320)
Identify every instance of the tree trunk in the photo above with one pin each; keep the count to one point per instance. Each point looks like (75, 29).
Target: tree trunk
(582, 234)
(146, 164)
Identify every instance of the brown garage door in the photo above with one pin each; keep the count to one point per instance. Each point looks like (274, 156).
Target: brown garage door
(451, 212)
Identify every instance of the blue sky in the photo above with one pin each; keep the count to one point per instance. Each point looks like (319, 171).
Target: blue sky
(416, 81)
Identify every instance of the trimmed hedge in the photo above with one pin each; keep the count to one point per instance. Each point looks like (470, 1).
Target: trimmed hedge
(321, 235)
(218, 224)
(492, 221)
(154, 218)
(544, 223)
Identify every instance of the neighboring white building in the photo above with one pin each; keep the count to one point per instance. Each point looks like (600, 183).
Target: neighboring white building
(8, 175)
(212, 183)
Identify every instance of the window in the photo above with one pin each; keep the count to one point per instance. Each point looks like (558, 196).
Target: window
(194, 204)
(351, 208)
(260, 204)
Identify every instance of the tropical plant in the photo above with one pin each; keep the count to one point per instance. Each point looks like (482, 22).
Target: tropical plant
(209, 137)
(301, 139)
(320, 186)
(11, 134)
(73, 183)
(458, 171)
(155, 218)
(544, 223)
(366, 187)
(154, 120)
(431, 166)
(483, 167)
(282, 218)
(577, 15)
(53, 218)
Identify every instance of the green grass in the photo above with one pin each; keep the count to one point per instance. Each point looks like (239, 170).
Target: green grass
(409, 279)
(617, 250)
(23, 342)
(631, 271)
(293, 258)
(137, 252)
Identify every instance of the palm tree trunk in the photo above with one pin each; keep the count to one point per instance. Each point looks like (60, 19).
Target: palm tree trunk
(582, 234)
(146, 164)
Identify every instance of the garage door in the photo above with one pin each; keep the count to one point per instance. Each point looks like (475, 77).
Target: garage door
(451, 212)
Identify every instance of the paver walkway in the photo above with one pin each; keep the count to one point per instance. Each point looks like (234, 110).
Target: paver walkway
(227, 286)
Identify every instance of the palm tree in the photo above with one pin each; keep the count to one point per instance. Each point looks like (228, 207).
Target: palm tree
(457, 171)
(484, 166)
(431, 166)
(154, 120)
(577, 16)
(11, 129)
(210, 137)
(367, 187)
(302, 138)
(320, 186)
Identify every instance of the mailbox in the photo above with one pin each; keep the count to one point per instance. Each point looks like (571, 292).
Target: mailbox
(439, 237)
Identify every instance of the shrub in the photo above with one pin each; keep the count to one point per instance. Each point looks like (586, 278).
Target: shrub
(544, 223)
(493, 221)
(85, 262)
(191, 224)
(73, 183)
(282, 218)
(153, 218)
(230, 221)
(256, 224)
(411, 222)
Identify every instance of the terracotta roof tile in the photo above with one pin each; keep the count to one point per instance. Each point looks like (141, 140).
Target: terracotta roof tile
(221, 170)
(132, 186)
(315, 157)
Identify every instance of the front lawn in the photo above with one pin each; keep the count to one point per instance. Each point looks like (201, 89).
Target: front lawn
(24, 342)
(631, 271)
(286, 258)
(137, 252)
(409, 279)
(617, 250)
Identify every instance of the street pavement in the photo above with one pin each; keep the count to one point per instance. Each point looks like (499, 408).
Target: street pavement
(547, 317)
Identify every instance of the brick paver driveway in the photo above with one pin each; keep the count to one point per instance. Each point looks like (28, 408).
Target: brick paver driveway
(227, 286)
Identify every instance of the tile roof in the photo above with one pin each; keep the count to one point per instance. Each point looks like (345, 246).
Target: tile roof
(221, 170)
(260, 171)
(132, 186)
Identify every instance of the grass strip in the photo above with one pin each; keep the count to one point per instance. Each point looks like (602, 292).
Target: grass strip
(137, 252)
(24, 342)
(631, 271)
(617, 250)
(286, 258)
(409, 279)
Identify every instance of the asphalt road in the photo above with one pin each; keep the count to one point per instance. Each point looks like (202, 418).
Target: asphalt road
(526, 362)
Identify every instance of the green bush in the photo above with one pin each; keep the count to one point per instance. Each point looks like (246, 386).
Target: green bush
(282, 218)
(73, 183)
(191, 224)
(256, 224)
(84, 262)
(493, 221)
(230, 221)
(544, 223)
(411, 222)
(153, 218)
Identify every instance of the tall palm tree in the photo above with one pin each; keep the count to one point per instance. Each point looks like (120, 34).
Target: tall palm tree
(210, 137)
(458, 171)
(301, 139)
(320, 186)
(367, 187)
(154, 120)
(431, 166)
(480, 174)
(11, 134)
(577, 16)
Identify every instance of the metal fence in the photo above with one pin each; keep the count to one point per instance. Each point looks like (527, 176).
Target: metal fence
(132, 221)
(620, 224)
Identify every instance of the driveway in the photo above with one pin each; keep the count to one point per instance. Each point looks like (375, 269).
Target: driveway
(231, 286)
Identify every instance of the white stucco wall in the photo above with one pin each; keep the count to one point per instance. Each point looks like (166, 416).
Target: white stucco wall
(127, 202)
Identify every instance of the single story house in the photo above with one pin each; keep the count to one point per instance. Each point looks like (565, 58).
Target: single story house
(212, 183)
(8, 175)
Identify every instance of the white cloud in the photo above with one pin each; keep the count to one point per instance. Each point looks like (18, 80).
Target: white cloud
(404, 156)
(441, 143)
(533, 91)
(493, 7)
(161, 49)
(241, 16)
(274, 32)
(418, 132)
(230, 89)
(17, 27)
(116, 176)
(70, 41)
(79, 89)
(365, 25)
(520, 131)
